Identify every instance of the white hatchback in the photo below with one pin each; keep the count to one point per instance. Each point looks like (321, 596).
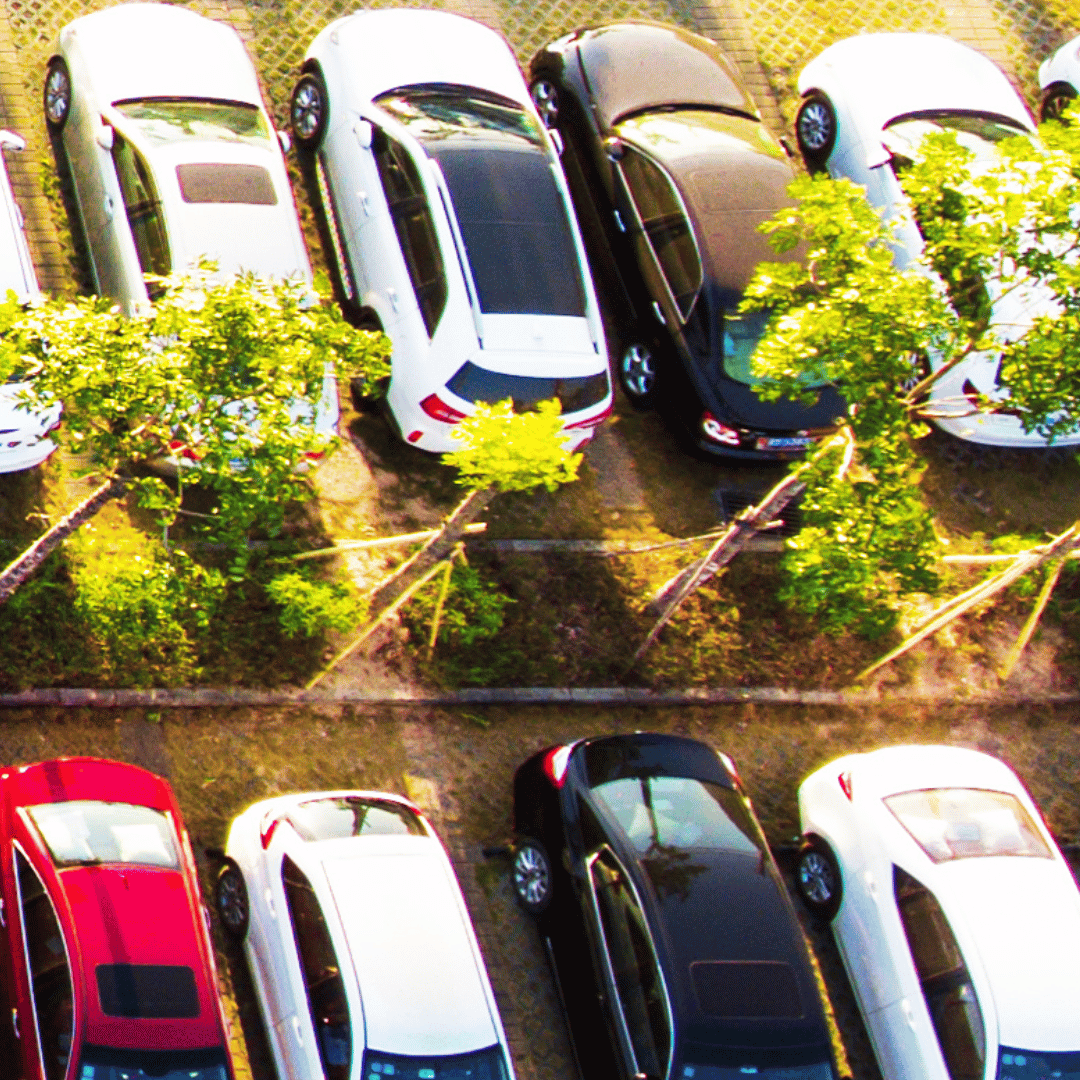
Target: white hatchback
(450, 221)
(1059, 80)
(171, 151)
(866, 103)
(955, 914)
(360, 946)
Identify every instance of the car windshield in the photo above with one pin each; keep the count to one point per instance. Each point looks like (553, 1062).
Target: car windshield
(89, 832)
(113, 1063)
(338, 819)
(742, 330)
(817, 1070)
(965, 823)
(676, 812)
(1014, 1064)
(207, 121)
(489, 1064)
(440, 111)
(977, 133)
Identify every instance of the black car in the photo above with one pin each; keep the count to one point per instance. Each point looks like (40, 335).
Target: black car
(671, 171)
(675, 946)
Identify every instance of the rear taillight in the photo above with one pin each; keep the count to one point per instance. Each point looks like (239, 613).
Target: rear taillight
(53, 426)
(315, 455)
(437, 409)
(185, 451)
(970, 392)
(593, 421)
(555, 762)
(267, 828)
(845, 784)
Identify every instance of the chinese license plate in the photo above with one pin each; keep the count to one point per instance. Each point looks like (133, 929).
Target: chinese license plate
(791, 442)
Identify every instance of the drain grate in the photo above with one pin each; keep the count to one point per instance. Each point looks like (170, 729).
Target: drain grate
(732, 501)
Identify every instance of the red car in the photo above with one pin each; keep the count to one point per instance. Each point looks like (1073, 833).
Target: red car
(108, 972)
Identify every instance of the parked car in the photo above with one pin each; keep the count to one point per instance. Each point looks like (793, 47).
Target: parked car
(358, 940)
(672, 172)
(674, 944)
(956, 916)
(1059, 78)
(451, 228)
(170, 149)
(867, 101)
(107, 970)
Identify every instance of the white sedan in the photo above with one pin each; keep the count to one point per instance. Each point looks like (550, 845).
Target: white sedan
(360, 946)
(171, 152)
(1059, 80)
(956, 916)
(450, 223)
(866, 103)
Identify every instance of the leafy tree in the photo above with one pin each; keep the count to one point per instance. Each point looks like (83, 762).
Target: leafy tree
(224, 376)
(845, 314)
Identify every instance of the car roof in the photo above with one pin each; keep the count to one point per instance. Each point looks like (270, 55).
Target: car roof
(632, 66)
(204, 58)
(422, 984)
(895, 769)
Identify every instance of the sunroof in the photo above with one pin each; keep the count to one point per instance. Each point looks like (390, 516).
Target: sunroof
(219, 182)
(148, 991)
(747, 989)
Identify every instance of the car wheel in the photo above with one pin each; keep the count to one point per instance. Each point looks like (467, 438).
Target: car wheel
(815, 130)
(817, 878)
(545, 97)
(231, 899)
(638, 374)
(57, 95)
(533, 881)
(309, 110)
(1056, 98)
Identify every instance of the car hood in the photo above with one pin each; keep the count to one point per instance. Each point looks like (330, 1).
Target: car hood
(125, 56)
(377, 51)
(630, 67)
(14, 418)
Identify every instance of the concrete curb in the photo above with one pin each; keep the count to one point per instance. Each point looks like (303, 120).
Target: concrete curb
(207, 697)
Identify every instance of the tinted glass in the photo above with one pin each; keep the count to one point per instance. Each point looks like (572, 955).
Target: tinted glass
(515, 226)
(675, 812)
(979, 134)
(336, 819)
(152, 991)
(1015, 1064)
(474, 383)
(747, 989)
(489, 1064)
(437, 112)
(143, 209)
(666, 227)
(50, 975)
(818, 1070)
(322, 973)
(178, 121)
(113, 1063)
(634, 967)
(965, 823)
(86, 831)
(215, 182)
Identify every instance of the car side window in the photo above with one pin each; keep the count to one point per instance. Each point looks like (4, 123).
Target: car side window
(413, 223)
(48, 970)
(143, 208)
(634, 966)
(946, 984)
(322, 973)
(666, 225)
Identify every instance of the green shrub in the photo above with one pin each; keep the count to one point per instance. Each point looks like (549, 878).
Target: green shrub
(308, 607)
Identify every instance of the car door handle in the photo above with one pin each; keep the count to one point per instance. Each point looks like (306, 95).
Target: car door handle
(619, 221)
(15, 1023)
(909, 1013)
(109, 207)
(296, 1028)
(394, 302)
(365, 202)
(658, 311)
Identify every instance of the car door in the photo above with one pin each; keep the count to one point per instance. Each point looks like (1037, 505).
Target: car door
(15, 1051)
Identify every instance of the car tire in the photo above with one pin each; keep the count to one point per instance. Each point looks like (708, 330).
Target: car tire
(534, 883)
(309, 110)
(231, 900)
(545, 96)
(56, 95)
(815, 130)
(638, 373)
(818, 880)
(1056, 98)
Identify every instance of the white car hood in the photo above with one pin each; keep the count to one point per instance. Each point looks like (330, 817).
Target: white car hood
(877, 77)
(136, 51)
(381, 50)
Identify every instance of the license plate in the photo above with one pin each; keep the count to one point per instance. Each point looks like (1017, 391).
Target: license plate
(791, 442)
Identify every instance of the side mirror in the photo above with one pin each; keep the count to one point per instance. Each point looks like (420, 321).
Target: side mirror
(10, 141)
(614, 148)
(105, 137)
(286, 142)
(787, 146)
(365, 133)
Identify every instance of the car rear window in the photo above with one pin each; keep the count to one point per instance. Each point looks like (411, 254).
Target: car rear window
(474, 383)
(122, 1063)
(85, 832)
(168, 121)
(966, 823)
(747, 989)
(515, 226)
(218, 182)
(148, 991)
(749, 1064)
(338, 819)
(489, 1064)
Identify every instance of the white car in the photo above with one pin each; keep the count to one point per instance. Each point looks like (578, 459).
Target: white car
(171, 152)
(360, 946)
(956, 916)
(24, 440)
(866, 103)
(1059, 80)
(450, 221)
